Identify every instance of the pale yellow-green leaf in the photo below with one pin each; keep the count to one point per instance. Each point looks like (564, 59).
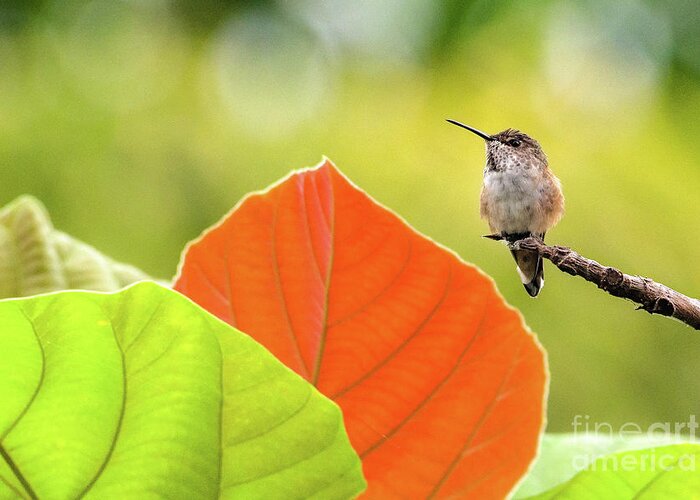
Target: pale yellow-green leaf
(36, 258)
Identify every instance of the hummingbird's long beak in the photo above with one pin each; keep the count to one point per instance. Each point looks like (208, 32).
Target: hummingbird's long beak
(478, 132)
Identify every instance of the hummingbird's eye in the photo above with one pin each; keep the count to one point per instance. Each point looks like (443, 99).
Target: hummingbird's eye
(514, 142)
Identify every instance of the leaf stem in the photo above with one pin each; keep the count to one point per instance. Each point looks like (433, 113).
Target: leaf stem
(653, 297)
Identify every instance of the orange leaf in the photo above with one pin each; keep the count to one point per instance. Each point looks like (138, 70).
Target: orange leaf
(440, 383)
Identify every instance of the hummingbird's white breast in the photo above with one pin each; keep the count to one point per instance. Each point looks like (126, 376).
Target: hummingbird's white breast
(515, 199)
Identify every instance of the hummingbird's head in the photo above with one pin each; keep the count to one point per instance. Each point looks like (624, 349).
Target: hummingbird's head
(509, 149)
(514, 149)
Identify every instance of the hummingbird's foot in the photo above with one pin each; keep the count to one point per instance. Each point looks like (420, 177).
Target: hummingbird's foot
(514, 246)
(513, 237)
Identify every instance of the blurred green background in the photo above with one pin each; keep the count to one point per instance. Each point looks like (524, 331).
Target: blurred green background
(139, 123)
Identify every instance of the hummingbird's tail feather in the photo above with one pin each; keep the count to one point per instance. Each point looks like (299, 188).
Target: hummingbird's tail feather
(531, 270)
(534, 286)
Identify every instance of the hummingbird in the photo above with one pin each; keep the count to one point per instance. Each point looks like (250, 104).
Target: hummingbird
(520, 197)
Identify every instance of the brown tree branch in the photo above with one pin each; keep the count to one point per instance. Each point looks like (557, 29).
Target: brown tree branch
(651, 296)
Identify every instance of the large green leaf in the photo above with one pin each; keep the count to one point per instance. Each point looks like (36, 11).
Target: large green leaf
(660, 472)
(35, 258)
(561, 456)
(142, 393)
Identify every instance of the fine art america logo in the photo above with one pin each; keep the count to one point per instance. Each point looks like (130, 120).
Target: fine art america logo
(632, 436)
